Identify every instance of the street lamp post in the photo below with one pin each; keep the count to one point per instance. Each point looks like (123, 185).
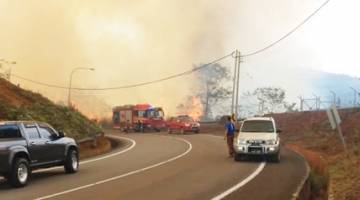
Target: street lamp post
(70, 82)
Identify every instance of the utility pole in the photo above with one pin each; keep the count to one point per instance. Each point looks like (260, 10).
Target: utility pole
(238, 55)
(234, 83)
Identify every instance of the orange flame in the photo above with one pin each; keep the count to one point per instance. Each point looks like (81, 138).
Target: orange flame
(195, 109)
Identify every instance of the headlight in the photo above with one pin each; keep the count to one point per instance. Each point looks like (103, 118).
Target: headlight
(271, 142)
(241, 141)
(3, 148)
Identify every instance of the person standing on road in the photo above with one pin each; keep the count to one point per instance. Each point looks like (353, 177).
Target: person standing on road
(229, 135)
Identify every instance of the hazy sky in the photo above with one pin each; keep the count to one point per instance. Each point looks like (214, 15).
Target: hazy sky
(140, 40)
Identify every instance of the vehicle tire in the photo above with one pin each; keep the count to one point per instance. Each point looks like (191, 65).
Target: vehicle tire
(182, 131)
(197, 131)
(71, 162)
(275, 158)
(237, 157)
(169, 131)
(20, 173)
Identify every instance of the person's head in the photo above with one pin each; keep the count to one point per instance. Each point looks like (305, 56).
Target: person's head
(228, 118)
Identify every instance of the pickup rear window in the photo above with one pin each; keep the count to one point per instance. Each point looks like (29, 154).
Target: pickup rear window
(9, 131)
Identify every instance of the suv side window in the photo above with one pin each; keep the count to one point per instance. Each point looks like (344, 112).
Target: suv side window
(32, 132)
(46, 132)
(9, 131)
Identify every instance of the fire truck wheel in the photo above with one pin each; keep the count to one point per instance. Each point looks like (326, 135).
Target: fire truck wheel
(169, 131)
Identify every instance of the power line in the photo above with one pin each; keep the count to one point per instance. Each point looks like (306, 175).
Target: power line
(289, 33)
(40, 83)
(131, 85)
(186, 72)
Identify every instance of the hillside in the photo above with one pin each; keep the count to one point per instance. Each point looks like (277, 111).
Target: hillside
(311, 130)
(19, 104)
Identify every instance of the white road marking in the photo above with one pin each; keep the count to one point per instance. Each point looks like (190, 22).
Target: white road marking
(242, 183)
(133, 144)
(121, 176)
(214, 136)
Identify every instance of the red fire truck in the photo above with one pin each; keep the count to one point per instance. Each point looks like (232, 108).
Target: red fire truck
(140, 118)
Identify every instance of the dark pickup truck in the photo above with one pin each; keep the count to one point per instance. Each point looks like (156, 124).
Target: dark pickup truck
(27, 145)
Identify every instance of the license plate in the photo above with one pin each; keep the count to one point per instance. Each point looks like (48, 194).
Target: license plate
(255, 150)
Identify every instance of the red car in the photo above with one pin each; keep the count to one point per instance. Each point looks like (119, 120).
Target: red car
(183, 123)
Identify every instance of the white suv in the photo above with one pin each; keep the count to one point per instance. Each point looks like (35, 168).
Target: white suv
(258, 136)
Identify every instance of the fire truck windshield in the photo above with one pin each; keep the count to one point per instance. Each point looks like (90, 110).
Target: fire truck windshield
(142, 113)
(156, 113)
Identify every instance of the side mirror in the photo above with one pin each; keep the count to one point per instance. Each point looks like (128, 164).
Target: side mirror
(61, 134)
(278, 131)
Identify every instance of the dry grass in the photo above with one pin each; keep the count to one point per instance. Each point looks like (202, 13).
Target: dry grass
(319, 173)
(311, 131)
(345, 176)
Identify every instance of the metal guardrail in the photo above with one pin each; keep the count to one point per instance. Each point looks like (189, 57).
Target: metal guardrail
(94, 139)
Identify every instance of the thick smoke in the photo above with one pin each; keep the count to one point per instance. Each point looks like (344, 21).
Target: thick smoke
(133, 41)
(126, 41)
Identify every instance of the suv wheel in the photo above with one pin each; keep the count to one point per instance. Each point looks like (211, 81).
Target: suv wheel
(275, 158)
(20, 173)
(72, 162)
(238, 157)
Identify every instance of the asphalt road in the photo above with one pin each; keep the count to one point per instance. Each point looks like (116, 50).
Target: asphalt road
(159, 166)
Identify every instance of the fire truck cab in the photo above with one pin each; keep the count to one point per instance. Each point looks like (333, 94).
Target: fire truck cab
(140, 118)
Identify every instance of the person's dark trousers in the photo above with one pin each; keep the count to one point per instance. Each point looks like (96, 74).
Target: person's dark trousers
(230, 143)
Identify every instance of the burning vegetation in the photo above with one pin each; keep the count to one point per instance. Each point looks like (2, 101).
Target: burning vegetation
(193, 107)
(210, 87)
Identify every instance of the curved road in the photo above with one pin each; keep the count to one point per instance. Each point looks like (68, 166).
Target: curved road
(159, 166)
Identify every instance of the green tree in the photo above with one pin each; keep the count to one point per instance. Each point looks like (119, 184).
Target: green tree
(272, 99)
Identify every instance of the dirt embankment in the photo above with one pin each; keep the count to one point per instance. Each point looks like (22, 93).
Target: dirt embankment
(20, 104)
(310, 134)
(95, 147)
